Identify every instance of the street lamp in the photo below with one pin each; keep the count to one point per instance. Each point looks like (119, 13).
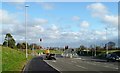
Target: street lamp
(95, 46)
(106, 42)
(7, 40)
(26, 6)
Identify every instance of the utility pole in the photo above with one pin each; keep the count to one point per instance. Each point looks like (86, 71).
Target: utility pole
(26, 6)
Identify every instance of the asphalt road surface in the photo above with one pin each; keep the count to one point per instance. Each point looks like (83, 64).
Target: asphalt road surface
(38, 65)
(81, 64)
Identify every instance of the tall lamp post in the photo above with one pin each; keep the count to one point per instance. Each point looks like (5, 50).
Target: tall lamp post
(106, 41)
(95, 44)
(26, 6)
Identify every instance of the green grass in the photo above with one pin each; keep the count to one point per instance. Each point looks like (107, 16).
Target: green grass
(0, 59)
(13, 60)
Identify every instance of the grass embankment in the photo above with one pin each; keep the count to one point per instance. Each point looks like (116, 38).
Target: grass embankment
(13, 60)
(0, 59)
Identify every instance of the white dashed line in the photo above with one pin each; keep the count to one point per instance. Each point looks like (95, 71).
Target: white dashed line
(81, 66)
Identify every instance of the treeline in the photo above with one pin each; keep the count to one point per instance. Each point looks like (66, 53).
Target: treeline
(9, 41)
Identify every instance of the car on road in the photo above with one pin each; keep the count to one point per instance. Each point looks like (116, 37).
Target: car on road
(50, 57)
(113, 57)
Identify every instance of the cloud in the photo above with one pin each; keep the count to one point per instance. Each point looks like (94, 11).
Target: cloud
(40, 21)
(97, 9)
(8, 18)
(47, 6)
(110, 19)
(71, 36)
(54, 31)
(75, 18)
(14, 1)
(100, 33)
(101, 11)
(84, 24)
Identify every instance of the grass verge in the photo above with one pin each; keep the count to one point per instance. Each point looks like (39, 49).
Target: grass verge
(13, 60)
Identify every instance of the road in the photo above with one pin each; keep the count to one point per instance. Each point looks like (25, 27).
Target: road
(72, 64)
(38, 65)
(82, 64)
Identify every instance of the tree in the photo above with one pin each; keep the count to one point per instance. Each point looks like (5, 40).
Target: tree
(23, 45)
(18, 45)
(35, 46)
(111, 45)
(82, 47)
(9, 41)
(98, 47)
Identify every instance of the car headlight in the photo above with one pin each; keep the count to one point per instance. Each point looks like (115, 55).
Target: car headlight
(113, 58)
(119, 58)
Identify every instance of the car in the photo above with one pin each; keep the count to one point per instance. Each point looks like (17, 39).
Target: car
(50, 57)
(112, 57)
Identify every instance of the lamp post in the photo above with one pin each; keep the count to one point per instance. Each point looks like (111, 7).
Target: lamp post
(106, 42)
(95, 46)
(7, 40)
(26, 6)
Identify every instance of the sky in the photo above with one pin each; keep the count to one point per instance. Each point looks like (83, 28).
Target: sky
(61, 23)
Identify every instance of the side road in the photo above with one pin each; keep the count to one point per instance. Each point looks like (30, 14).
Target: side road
(37, 64)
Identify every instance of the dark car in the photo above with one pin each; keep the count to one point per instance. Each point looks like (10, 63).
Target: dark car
(50, 57)
(113, 57)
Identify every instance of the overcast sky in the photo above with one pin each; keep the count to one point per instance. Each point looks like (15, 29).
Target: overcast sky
(61, 23)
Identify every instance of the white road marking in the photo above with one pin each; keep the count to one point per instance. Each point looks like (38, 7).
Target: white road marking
(73, 61)
(111, 67)
(116, 68)
(52, 66)
(53, 61)
(81, 66)
(91, 63)
(77, 58)
(100, 72)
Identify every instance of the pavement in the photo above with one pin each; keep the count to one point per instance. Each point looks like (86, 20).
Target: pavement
(70, 65)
